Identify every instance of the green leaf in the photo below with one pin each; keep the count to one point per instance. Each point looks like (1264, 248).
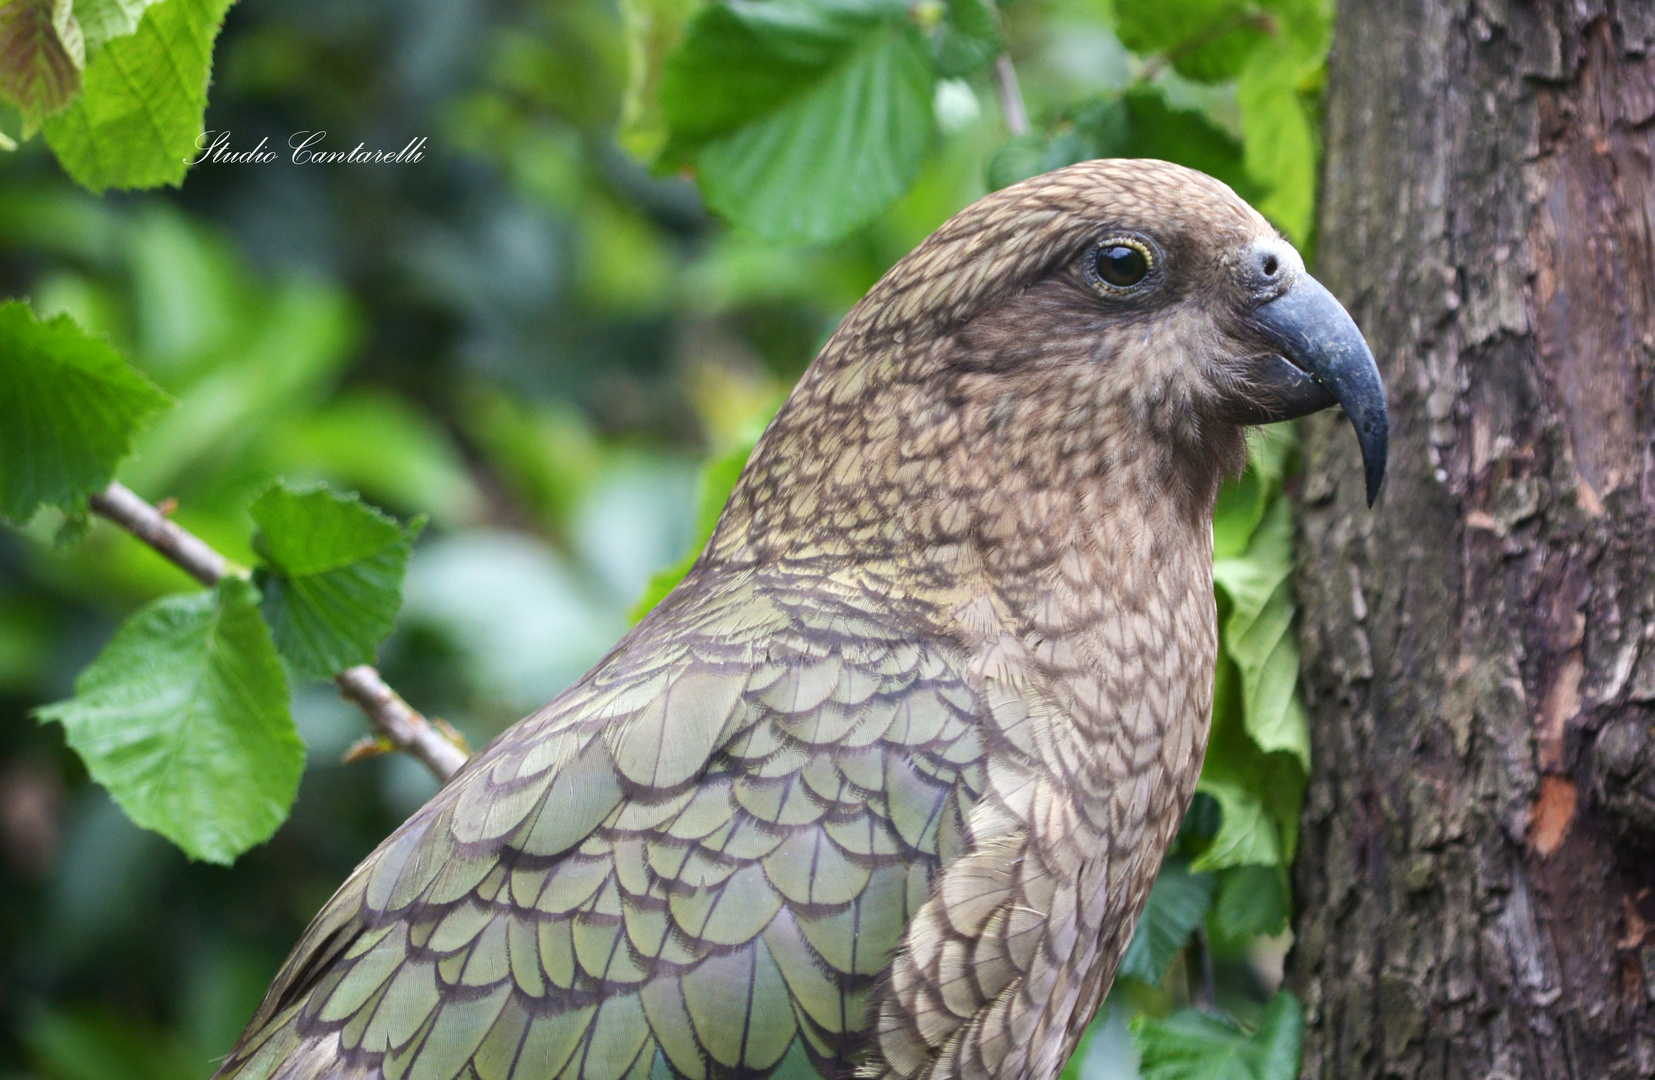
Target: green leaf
(653, 30)
(1280, 142)
(804, 120)
(334, 582)
(1102, 128)
(1205, 40)
(69, 408)
(1019, 158)
(1194, 1045)
(102, 21)
(42, 51)
(378, 442)
(1271, 783)
(968, 39)
(739, 60)
(1247, 834)
(1258, 634)
(1242, 501)
(1177, 903)
(1161, 130)
(833, 159)
(1252, 900)
(184, 719)
(139, 114)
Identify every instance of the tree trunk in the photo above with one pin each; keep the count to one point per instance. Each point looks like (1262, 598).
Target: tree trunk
(1476, 876)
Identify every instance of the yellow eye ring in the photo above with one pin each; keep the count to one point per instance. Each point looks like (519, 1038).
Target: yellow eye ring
(1121, 263)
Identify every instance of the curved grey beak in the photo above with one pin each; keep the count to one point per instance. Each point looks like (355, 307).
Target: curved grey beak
(1324, 361)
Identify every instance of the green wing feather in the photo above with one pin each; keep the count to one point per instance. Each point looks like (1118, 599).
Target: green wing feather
(696, 863)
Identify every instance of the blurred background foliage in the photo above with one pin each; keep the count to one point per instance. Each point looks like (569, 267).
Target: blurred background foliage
(536, 335)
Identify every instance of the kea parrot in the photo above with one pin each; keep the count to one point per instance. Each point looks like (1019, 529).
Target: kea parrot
(880, 789)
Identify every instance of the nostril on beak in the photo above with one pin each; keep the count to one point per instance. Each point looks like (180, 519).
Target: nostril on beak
(1270, 265)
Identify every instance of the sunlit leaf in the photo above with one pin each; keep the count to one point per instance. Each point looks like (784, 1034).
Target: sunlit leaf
(1247, 834)
(832, 159)
(102, 21)
(1205, 40)
(1280, 144)
(1177, 903)
(1258, 634)
(1196, 1045)
(653, 30)
(1162, 130)
(184, 719)
(803, 121)
(42, 51)
(69, 407)
(740, 60)
(334, 579)
(138, 116)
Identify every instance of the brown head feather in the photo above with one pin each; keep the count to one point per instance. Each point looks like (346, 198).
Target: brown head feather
(986, 361)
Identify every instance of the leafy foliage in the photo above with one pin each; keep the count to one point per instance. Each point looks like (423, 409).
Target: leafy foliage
(1258, 635)
(102, 21)
(136, 122)
(804, 119)
(526, 337)
(968, 40)
(334, 583)
(1193, 1045)
(1253, 900)
(184, 719)
(120, 86)
(1177, 903)
(47, 51)
(69, 408)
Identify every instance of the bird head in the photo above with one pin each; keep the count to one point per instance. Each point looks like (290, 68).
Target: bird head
(1116, 317)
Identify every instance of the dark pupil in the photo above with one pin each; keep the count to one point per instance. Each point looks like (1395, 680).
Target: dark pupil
(1122, 266)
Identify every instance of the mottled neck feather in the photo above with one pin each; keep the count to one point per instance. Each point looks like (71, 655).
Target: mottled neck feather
(993, 450)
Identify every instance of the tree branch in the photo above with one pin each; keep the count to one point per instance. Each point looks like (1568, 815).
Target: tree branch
(187, 551)
(395, 721)
(1011, 96)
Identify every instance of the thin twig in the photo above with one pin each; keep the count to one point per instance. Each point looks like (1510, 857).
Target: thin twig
(397, 721)
(393, 718)
(1011, 96)
(185, 550)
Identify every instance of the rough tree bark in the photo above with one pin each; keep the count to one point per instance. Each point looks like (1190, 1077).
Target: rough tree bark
(1476, 878)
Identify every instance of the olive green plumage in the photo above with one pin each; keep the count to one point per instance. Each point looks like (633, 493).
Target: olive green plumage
(881, 787)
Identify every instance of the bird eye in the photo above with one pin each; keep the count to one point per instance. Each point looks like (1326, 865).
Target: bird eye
(1122, 263)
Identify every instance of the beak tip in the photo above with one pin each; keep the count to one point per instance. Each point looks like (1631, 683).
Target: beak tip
(1317, 337)
(1374, 439)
